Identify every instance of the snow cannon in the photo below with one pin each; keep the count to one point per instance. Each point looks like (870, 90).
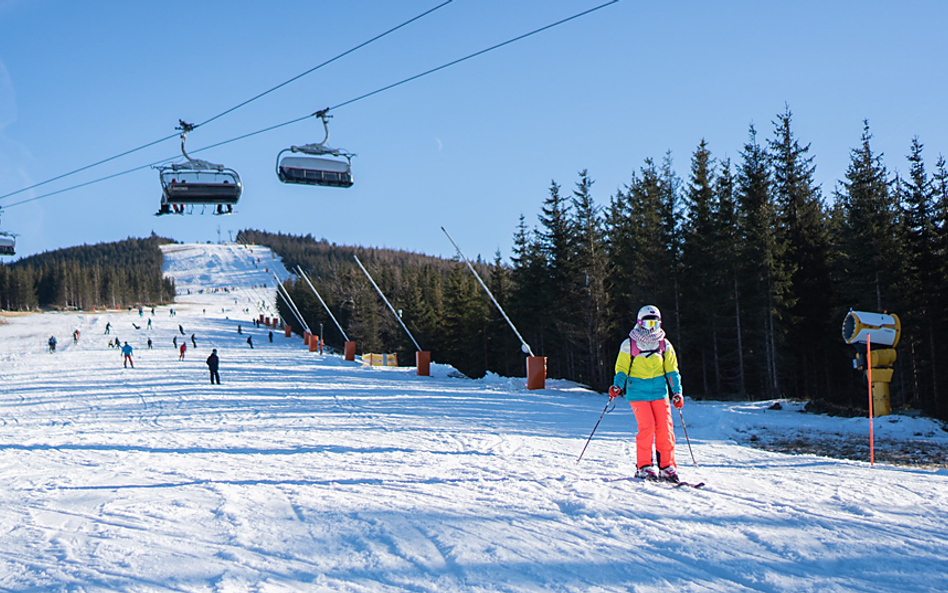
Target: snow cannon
(881, 331)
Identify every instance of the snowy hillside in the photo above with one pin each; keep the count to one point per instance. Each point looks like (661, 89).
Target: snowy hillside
(303, 472)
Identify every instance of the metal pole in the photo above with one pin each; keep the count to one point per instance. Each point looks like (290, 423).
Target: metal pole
(605, 411)
(280, 294)
(526, 347)
(687, 440)
(872, 452)
(287, 296)
(305, 277)
(392, 309)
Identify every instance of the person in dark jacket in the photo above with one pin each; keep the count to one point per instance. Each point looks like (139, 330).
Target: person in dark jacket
(250, 341)
(193, 341)
(212, 364)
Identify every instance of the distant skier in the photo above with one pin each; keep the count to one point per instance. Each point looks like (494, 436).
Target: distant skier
(646, 369)
(52, 344)
(239, 330)
(127, 356)
(212, 364)
(183, 349)
(174, 341)
(180, 329)
(270, 335)
(108, 327)
(149, 343)
(250, 341)
(149, 323)
(193, 341)
(75, 337)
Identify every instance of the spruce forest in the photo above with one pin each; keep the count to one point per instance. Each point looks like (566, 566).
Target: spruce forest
(114, 275)
(752, 265)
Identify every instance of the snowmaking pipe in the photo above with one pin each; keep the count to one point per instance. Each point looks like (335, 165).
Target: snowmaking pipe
(280, 294)
(390, 308)
(289, 299)
(525, 347)
(331, 316)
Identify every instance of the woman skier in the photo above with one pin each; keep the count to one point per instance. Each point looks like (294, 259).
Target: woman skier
(646, 371)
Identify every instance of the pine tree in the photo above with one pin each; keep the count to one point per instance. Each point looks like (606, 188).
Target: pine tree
(938, 293)
(555, 239)
(811, 329)
(728, 247)
(764, 276)
(870, 250)
(589, 271)
(528, 298)
(919, 275)
(504, 354)
(701, 294)
(635, 245)
(669, 258)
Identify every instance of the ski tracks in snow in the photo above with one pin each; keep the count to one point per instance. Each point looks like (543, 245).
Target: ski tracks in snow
(304, 472)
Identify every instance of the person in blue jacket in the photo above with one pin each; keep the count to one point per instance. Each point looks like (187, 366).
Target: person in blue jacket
(647, 375)
(127, 356)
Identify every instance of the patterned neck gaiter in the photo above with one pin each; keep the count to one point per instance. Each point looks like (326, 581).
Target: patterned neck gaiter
(647, 340)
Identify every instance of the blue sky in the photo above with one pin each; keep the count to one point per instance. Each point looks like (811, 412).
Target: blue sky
(469, 148)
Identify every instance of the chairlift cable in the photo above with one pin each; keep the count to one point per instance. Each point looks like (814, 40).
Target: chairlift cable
(343, 104)
(473, 55)
(409, 79)
(326, 63)
(81, 169)
(223, 113)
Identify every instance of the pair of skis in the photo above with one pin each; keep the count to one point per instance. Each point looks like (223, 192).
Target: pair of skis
(678, 484)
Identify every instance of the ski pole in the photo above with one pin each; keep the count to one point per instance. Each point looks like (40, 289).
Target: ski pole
(682, 416)
(604, 412)
(687, 440)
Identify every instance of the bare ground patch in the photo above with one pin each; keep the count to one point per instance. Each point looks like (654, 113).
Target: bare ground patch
(921, 453)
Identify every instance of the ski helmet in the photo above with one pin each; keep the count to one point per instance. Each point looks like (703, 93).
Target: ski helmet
(649, 312)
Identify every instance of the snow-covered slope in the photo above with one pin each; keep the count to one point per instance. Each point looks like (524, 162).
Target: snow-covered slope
(303, 472)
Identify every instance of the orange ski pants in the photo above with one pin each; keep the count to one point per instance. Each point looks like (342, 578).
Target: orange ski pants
(654, 420)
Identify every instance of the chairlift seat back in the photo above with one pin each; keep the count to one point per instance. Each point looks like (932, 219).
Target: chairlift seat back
(201, 187)
(315, 171)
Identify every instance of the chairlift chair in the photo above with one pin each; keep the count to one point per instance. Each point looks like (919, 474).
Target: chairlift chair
(315, 169)
(7, 243)
(197, 182)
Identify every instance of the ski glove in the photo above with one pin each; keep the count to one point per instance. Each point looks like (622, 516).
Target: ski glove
(677, 400)
(614, 392)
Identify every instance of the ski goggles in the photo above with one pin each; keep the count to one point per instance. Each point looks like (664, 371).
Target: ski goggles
(650, 322)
